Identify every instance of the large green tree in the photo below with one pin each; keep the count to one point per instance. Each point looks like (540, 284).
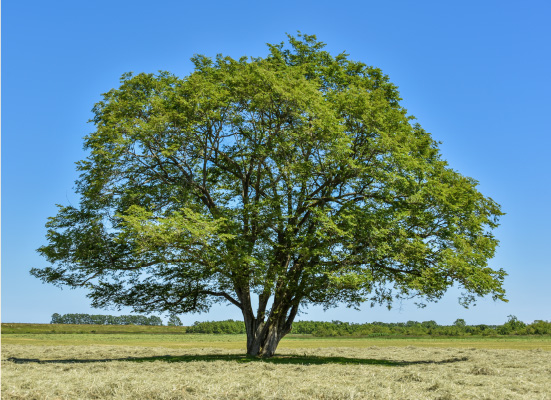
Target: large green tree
(269, 183)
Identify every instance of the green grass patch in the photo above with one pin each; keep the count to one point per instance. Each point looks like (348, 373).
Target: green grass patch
(11, 328)
(128, 339)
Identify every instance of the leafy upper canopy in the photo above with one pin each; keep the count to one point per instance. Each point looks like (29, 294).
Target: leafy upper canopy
(298, 177)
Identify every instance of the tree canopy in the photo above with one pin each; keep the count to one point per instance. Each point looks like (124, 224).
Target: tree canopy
(269, 183)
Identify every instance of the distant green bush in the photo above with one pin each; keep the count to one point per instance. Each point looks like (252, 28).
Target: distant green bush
(538, 327)
(217, 327)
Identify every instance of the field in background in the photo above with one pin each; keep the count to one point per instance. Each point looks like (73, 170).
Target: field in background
(174, 337)
(291, 341)
(70, 328)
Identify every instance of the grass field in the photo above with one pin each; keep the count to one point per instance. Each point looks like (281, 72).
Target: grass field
(8, 328)
(236, 342)
(177, 366)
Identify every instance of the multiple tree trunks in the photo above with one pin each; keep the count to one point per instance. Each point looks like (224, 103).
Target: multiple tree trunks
(264, 337)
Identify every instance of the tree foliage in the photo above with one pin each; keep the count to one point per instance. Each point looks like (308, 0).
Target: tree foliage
(376, 329)
(414, 328)
(217, 327)
(105, 319)
(282, 181)
(174, 320)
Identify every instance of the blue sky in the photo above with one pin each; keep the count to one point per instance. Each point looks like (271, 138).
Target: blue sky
(475, 74)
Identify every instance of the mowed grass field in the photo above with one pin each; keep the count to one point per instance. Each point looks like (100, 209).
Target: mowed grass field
(186, 366)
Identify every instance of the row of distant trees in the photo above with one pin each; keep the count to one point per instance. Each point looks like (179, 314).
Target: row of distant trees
(513, 326)
(411, 328)
(113, 319)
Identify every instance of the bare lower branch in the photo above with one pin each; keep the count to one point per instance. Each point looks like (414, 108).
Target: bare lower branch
(226, 296)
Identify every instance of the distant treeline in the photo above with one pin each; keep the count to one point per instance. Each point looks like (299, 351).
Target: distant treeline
(411, 328)
(320, 328)
(82, 319)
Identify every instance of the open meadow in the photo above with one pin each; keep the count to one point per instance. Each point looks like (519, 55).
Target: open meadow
(187, 366)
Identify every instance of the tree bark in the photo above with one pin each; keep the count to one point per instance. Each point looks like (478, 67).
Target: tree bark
(271, 340)
(264, 337)
(252, 328)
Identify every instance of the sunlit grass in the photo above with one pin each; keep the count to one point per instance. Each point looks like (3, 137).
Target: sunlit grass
(116, 371)
(84, 328)
(289, 342)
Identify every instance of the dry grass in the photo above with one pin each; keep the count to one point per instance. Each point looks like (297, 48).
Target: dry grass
(237, 342)
(104, 372)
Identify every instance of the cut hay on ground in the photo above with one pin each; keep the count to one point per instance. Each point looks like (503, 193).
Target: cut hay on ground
(106, 372)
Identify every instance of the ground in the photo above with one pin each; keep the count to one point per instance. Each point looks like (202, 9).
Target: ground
(213, 367)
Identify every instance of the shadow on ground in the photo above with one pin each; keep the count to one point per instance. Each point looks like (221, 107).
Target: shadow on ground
(283, 359)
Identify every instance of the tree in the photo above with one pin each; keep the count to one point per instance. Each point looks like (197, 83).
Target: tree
(460, 323)
(157, 321)
(56, 319)
(174, 320)
(513, 325)
(282, 181)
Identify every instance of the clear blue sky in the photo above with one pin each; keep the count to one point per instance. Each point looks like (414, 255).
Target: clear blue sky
(476, 74)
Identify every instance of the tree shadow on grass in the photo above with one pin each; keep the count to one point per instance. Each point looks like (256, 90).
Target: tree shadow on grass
(283, 359)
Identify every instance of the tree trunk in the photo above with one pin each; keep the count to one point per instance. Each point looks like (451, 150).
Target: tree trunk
(271, 340)
(264, 337)
(252, 329)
